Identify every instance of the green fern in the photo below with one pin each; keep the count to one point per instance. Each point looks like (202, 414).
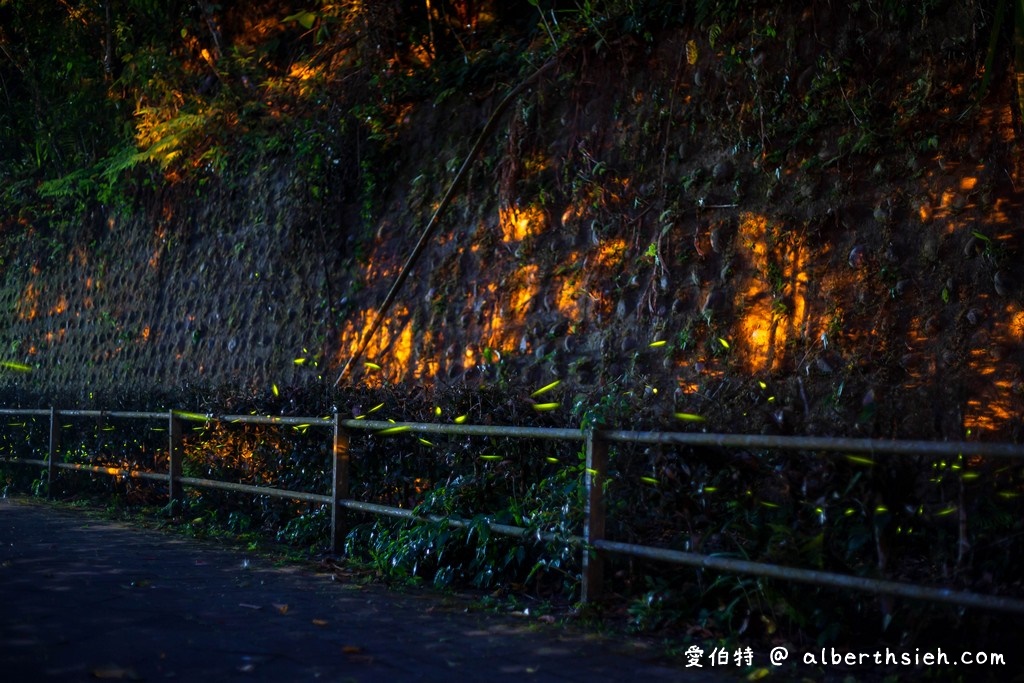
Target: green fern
(75, 185)
(166, 139)
(713, 34)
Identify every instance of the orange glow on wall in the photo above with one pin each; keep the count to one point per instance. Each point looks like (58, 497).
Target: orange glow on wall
(510, 307)
(524, 290)
(28, 304)
(611, 252)
(1017, 326)
(391, 347)
(998, 401)
(772, 301)
(518, 223)
(60, 307)
(303, 72)
(568, 300)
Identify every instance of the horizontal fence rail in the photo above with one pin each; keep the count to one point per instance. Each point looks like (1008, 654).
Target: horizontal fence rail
(592, 541)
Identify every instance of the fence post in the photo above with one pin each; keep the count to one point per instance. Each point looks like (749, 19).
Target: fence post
(594, 515)
(339, 487)
(54, 445)
(174, 451)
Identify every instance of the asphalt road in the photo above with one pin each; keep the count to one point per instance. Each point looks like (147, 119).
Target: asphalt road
(83, 599)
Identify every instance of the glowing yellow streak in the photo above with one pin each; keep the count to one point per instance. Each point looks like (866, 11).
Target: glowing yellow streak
(273, 388)
(16, 366)
(545, 407)
(649, 480)
(490, 457)
(375, 408)
(195, 417)
(690, 417)
(657, 344)
(546, 388)
(394, 430)
(371, 366)
(425, 442)
(460, 419)
(860, 461)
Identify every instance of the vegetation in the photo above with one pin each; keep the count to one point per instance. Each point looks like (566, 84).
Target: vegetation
(107, 105)
(106, 100)
(822, 513)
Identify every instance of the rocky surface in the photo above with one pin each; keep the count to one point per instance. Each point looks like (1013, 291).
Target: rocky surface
(810, 229)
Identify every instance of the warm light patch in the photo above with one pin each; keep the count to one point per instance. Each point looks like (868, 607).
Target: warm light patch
(572, 212)
(688, 387)
(611, 252)
(1017, 326)
(60, 307)
(505, 324)
(996, 402)
(525, 289)
(773, 303)
(304, 72)
(28, 304)
(985, 414)
(753, 232)
(421, 55)
(390, 346)
(519, 223)
(569, 299)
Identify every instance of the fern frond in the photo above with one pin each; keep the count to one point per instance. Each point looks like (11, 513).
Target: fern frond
(713, 34)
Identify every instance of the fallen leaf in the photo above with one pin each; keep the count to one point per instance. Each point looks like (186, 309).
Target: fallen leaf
(282, 609)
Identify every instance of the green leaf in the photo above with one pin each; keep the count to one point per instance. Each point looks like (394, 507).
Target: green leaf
(306, 19)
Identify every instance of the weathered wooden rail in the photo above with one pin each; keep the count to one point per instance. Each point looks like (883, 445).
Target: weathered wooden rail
(591, 541)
